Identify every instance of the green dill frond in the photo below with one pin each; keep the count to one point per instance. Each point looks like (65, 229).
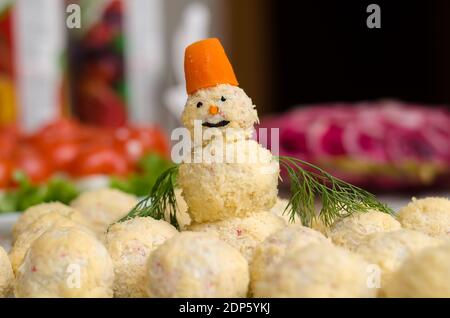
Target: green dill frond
(338, 198)
(161, 203)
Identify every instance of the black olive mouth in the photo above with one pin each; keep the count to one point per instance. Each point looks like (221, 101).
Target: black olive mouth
(221, 123)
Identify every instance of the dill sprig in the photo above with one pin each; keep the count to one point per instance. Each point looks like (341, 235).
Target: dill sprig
(308, 183)
(161, 203)
(338, 198)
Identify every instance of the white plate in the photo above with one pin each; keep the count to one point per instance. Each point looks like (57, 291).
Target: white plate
(6, 222)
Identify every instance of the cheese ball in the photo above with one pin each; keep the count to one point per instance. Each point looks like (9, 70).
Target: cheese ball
(348, 232)
(196, 265)
(426, 275)
(315, 270)
(216, 191)
(33, 231)
(389, 250)
(244, 234)
(233, 106)
(66, 262)
(318, 225)
(130, 243)
(6, 274)
(279, 209)
(103, 207)
(429, 215)
(272, 250)
(35, 212)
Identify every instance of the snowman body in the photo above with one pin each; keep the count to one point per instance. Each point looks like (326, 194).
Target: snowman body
(237, 186)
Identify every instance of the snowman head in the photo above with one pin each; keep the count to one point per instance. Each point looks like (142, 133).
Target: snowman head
(215, 100)
(222, 106)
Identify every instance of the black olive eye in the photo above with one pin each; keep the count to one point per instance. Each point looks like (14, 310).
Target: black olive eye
(223, 99)
(199, 104)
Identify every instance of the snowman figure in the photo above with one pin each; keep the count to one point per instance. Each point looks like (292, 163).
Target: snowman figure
(240, 177)
(236, 178)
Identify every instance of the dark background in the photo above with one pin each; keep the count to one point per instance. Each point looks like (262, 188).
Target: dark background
(321, 51)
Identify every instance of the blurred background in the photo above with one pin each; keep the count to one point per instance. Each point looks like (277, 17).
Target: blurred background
(371, 105)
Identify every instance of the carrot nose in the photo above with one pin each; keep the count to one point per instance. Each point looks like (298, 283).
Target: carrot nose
(213, 109)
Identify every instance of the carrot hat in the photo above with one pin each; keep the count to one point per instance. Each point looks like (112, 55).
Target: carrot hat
(206, 64)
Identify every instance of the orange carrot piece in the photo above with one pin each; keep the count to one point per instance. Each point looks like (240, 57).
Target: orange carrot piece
(206, 64)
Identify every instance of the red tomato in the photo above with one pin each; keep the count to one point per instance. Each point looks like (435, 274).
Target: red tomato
(30, 161)
(58, 142)
(61, 154)
(9, 137)
(154, 140)
(100, 160)
(6, 169)
(7, 145)
(61, 130)
(136, 142)
(98, 136)
(129, 144)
